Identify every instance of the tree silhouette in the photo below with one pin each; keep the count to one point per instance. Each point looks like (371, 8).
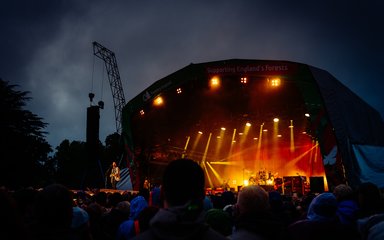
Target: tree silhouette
(23, 148)
(74, 166)
(71, 159)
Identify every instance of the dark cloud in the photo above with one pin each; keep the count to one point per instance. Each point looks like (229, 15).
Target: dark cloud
(48, 47)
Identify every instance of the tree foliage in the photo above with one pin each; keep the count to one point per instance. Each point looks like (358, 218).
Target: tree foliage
(71, 159)
(80, 165)
(23, 148)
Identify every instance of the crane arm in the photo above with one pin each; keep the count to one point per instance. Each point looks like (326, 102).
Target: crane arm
(114, 80)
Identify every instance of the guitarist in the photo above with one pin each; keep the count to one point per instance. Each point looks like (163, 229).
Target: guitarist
(115, 175)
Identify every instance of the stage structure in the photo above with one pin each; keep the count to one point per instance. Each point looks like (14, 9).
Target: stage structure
(255, 122)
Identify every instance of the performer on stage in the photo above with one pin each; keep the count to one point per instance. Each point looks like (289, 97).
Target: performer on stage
(115, 175)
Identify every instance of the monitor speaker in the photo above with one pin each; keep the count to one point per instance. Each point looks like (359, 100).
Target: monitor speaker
(316, 184)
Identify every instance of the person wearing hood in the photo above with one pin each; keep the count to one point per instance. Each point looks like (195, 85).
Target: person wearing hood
(321, 222)
(127, 228)
(182, 216)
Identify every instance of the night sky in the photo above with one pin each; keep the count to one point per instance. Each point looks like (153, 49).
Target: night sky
(46, 47)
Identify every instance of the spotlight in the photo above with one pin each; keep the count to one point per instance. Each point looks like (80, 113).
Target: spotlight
(307, 115)
(243, 80)
(291, 126)
(275, 82)
(158, 101)
(276, 120)
(246, 182)
(214, 82)
(248, 124)
(223, 128)
(200, 132)
(142, 112)
(178, 90)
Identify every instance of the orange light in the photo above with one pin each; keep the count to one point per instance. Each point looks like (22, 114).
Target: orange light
(275, 82)
(158, 101)
(246, 182)
(248, 124)
(214, 82)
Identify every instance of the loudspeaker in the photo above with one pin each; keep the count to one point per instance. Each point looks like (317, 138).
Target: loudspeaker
(93, 118)
(287, 183)
(316, 184)
(268, 188)
(279, 185)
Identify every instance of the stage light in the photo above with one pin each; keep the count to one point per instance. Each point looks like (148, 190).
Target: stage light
(292, 138)
(279, 135)
(269, 181)
(307, 115)
(185, 147)
(178, 90)
(291, 126)
(246, 182)
(248, 124)
(214, 82)
(200, 132)
(142, 112)
(241, 133)
(223, 128)
(265, 130)
(243, 80)
(276, 120)
(158, 101)
(275, 82)
(255, 138)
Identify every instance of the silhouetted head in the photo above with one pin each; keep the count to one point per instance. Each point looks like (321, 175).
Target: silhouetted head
(342, 192)
(369, 198)
(54, 206)
(183, 181)
(252, 199)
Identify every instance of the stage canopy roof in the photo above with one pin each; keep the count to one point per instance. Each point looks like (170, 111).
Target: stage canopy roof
(239, 118)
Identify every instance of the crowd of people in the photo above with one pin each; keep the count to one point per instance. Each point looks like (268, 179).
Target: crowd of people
(182, 210)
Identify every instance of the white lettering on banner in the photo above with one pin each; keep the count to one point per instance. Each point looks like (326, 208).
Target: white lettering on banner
(221, 70)
(248, 69)
(148, 94)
